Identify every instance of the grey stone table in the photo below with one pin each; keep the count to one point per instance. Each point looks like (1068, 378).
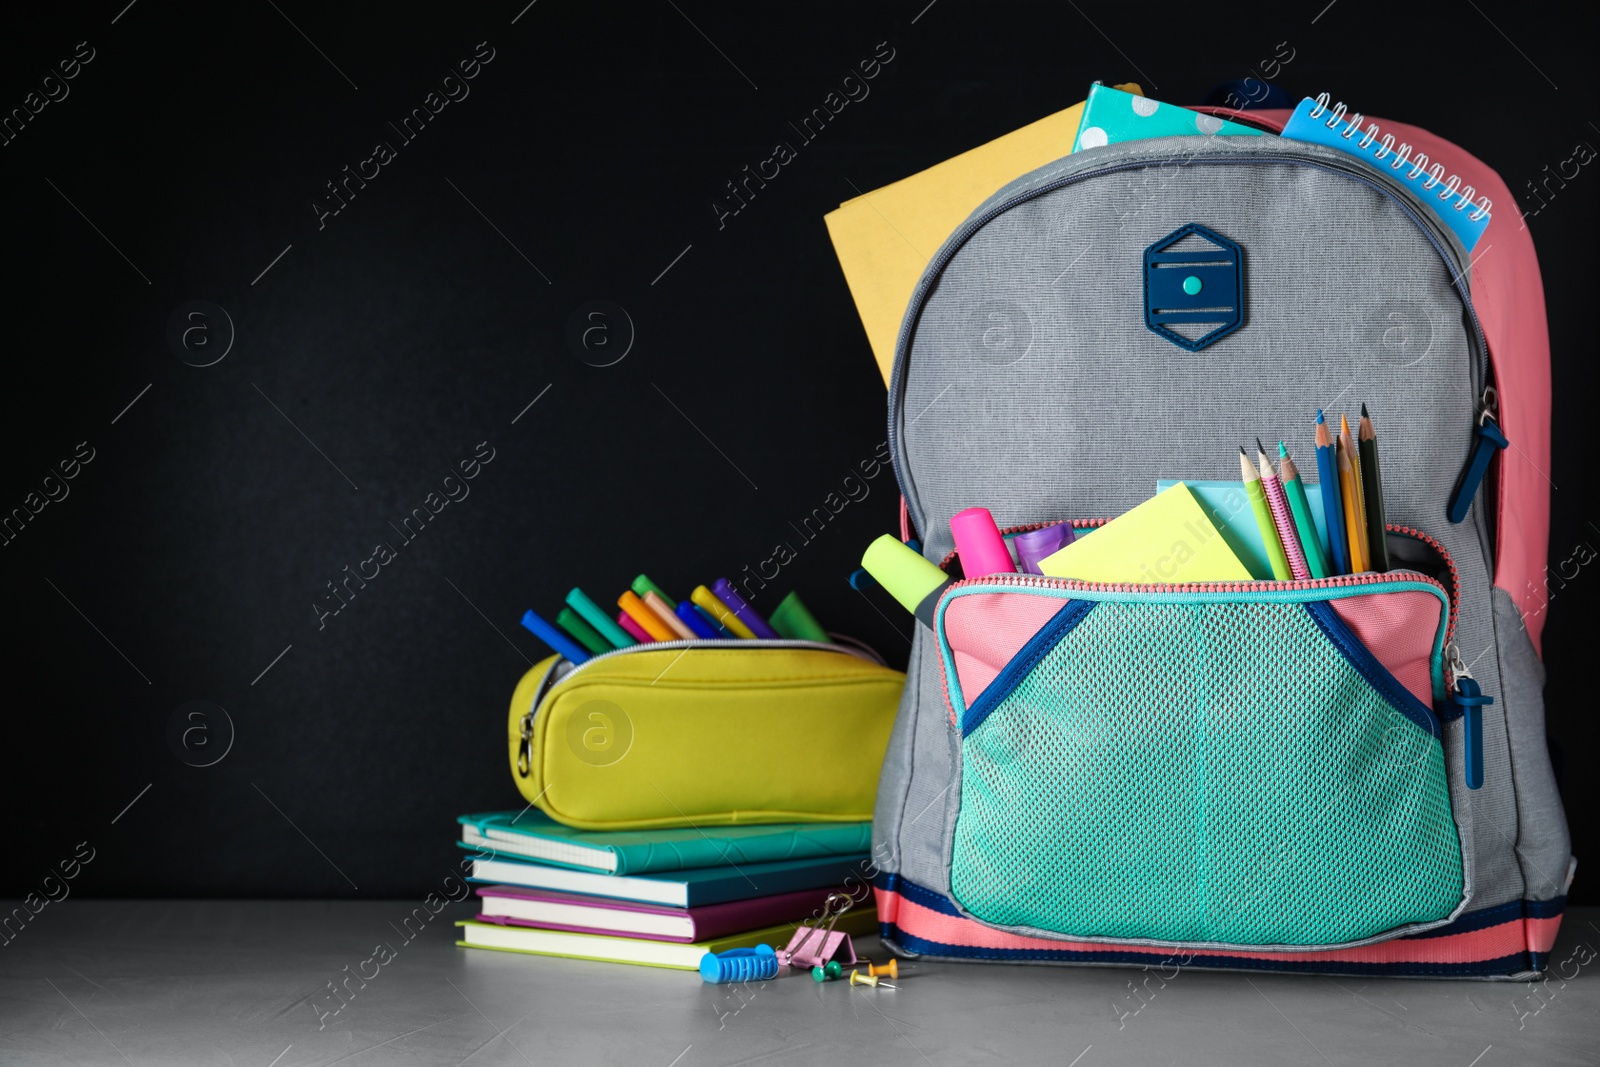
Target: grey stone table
(245, 983)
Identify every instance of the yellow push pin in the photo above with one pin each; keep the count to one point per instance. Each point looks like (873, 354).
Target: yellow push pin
(892, 968)
(857, 978)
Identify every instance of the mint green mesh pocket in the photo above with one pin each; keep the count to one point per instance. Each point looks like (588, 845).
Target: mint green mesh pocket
(1205, 771)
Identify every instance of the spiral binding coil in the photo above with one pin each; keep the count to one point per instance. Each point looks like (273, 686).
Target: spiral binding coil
(1464, 195)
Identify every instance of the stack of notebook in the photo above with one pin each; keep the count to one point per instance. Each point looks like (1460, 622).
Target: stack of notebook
(661, 898)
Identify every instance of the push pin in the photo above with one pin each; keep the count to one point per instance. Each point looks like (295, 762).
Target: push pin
(892, 968)
(857, 978)
(828, 972)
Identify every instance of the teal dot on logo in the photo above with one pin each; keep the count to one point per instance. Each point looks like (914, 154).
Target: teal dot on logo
(1191, 285)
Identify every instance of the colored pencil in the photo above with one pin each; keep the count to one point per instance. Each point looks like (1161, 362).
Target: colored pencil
(1350, 493)
(1332, 502)
(1348, 440)
(1295, 491)
(1263, 512)
(1282, 520)
(1372, 494)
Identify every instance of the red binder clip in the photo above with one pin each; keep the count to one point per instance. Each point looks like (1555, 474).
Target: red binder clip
(814, 946)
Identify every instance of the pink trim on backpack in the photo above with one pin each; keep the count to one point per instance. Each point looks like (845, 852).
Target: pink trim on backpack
(1398, 629)
(1508, 294)
(1490, 943)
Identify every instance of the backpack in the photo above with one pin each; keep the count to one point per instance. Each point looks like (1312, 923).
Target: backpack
(1248, 776)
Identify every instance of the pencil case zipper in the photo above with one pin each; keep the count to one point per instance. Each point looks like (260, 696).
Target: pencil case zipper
(555, 674)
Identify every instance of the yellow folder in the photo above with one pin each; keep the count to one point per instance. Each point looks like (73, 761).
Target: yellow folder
(885, 238)
(1168, 538)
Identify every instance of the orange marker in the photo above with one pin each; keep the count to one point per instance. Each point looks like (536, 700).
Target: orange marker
(648, 621)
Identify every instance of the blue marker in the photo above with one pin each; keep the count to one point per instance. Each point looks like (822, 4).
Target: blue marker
(719, 631)
(690, 614)
(553, 637)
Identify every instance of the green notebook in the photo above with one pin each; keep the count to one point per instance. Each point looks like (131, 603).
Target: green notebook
(1112, 116)
(531, 834)
(858, 922)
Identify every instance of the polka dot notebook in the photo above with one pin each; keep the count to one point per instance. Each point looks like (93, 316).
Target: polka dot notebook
(1112, 116)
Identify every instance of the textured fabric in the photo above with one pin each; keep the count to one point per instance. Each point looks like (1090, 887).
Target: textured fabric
(1509, 941)
(1508, 293)
(1026, 379)
(1399, 629)
(1213, 773)
(1543, 846)
(987, 630)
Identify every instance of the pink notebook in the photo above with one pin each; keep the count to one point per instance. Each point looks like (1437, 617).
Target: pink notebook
(514, 906)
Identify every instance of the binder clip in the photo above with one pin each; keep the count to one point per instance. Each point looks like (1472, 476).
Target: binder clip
(815, 946)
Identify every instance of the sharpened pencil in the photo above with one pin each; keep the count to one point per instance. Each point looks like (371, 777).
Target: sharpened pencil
(1349, 492)
(1332, 499)
(1263, 513)
(1282, 520)
(1347, 441)
(1372, 495)
(1300, 507)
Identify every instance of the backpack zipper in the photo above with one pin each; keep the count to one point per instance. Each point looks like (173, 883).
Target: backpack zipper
(1402, 197)
(1452, 594)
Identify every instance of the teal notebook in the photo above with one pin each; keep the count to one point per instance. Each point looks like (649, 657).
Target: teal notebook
(1112, 116)
(1230, 512)
(531, 834)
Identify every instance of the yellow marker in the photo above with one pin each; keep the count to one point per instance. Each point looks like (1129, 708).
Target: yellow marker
(657, 604)
(636, 610)
(720, 611)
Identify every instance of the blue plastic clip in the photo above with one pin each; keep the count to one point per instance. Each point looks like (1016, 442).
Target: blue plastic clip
(1486, 441)
(740, 965)
(1471, 700)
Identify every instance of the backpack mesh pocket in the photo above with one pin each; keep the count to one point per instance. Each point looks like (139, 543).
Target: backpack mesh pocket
(1204, 771)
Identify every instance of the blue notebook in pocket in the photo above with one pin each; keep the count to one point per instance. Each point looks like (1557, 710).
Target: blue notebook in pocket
(1229, 510)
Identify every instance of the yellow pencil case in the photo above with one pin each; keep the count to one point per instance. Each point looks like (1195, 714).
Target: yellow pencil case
(704, 733)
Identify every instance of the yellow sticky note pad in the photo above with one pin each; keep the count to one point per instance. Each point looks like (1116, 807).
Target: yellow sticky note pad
(1168, 538)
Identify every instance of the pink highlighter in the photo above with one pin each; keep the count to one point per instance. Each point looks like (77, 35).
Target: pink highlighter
(979, 544)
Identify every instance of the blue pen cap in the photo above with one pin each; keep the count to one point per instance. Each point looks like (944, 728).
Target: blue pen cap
(554, 637)
(694, 617)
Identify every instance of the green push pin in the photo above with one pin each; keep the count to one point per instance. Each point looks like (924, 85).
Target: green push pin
(833, 969)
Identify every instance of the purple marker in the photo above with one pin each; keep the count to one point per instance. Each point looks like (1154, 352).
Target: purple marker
(742, 611)
(1035, 545)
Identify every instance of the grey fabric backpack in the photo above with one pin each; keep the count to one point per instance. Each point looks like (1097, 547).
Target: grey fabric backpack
(1229, 777)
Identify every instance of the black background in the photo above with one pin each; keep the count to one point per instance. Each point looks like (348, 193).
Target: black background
(407, 330)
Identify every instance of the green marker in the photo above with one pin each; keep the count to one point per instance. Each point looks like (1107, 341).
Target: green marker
(793, 620)
(643, 585)
(582, 632)
(598, 619)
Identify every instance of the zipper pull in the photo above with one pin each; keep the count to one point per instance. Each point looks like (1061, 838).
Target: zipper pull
(1486, 441)
(1469, 700)
(525, 748)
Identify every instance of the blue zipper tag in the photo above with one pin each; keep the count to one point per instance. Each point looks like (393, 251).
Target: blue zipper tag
(1470, 699)
(1486, 441)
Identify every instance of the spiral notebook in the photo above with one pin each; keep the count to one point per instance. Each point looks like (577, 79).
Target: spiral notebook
(1458, 206)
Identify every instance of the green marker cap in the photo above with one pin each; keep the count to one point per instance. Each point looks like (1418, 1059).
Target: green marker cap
(792, 619)
(643, 585)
